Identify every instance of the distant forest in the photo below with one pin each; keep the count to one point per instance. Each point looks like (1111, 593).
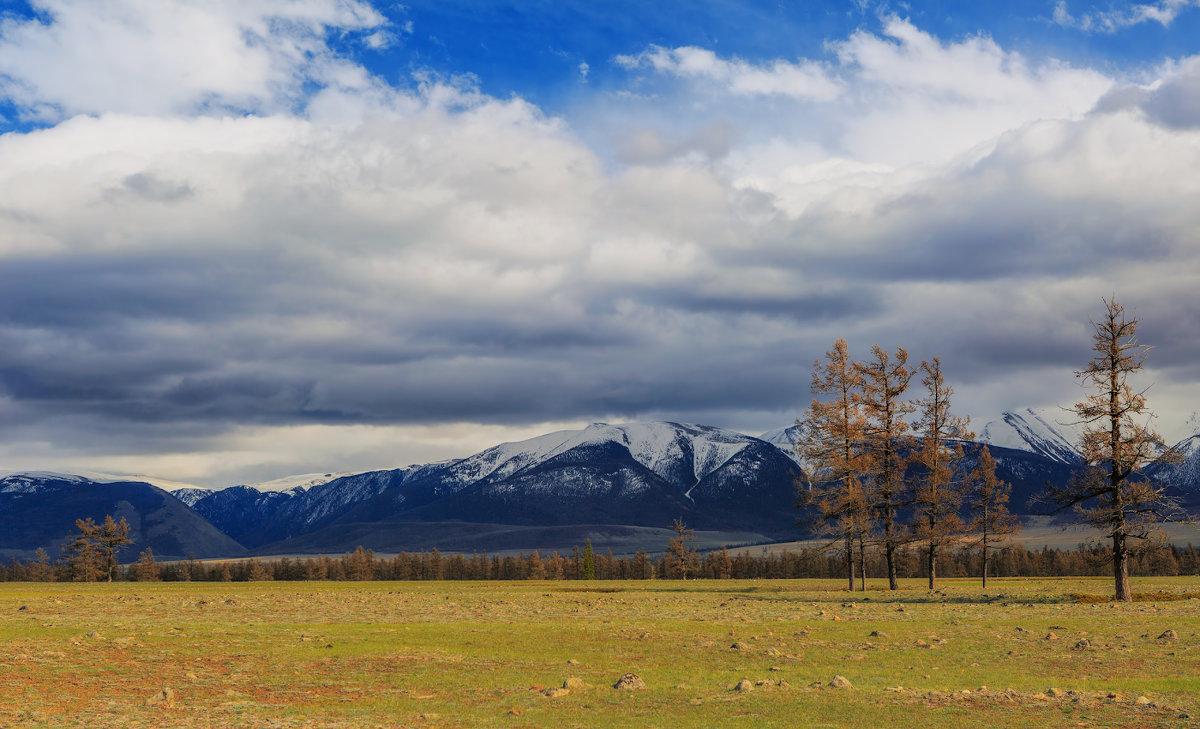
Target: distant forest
(582, 564)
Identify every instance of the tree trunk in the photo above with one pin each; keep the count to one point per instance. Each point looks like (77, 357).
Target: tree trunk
(862, 564)
(985, 562)
(849, 562)
(1121, 568)
(932, 559)
(890, 553)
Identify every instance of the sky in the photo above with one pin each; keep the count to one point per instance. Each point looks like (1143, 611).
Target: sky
(241, 239)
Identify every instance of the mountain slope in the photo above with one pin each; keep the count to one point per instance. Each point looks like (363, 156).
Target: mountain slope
(39, 510)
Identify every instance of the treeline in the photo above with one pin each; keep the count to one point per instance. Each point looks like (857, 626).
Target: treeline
(581, 564)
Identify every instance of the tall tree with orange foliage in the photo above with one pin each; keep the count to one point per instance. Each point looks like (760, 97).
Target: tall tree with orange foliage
(884, 382)
(937, 492)
(834, 431)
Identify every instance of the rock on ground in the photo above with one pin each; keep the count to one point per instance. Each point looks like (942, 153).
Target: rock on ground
(629, 682)
(840, 682)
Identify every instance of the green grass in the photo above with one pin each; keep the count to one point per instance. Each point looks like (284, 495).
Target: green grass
(478, 654)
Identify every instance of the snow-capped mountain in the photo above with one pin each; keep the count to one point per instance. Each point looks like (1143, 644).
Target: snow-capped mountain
(635, 474)
(1045, 431)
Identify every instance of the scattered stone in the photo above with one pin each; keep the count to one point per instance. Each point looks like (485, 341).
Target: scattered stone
(760, 684)
(1143, 701)
(775, 668)
(840, 682)
(894, 689)
(22, 608)
(572, 662)
(836, 619)
(1169, 635)
(1054, 692)
(94, 634)
(429, 717)
(739, 646)
(921, 644)
(1051, 636)
(744, 686)
(877, 634)
(1083, 645)
(191, 677)
(629, 682)
(555, 692)
(515, 712)
(574, 684)
(164, 697)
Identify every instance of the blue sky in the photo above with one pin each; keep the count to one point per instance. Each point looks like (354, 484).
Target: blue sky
(246, 239)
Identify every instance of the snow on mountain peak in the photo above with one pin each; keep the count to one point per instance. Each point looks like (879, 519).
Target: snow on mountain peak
(31, 482)
(659, 446)
(299, 482)
(1044, 431)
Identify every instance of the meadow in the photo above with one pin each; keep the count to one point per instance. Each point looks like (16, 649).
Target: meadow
(1049, 652)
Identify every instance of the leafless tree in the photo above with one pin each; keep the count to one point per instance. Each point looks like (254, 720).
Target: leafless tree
(1113, 493)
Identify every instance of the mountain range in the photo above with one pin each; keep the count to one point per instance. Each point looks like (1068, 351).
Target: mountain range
(621, 486)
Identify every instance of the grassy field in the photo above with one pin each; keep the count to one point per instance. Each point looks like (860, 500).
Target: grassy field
(485, 654)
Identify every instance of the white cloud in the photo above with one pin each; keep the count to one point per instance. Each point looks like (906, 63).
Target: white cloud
(804, 80)
(1163, 12)
(894, 98)
(176, 56)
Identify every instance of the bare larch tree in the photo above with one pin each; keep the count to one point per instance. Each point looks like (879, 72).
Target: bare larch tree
(938, 491)
(987, 502)
(884, 382)
(1113, 493)
(832, 451)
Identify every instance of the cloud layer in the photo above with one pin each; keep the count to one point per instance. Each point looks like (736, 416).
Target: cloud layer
(356, 275)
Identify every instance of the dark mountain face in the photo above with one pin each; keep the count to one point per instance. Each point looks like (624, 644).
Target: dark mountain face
(40, 511)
